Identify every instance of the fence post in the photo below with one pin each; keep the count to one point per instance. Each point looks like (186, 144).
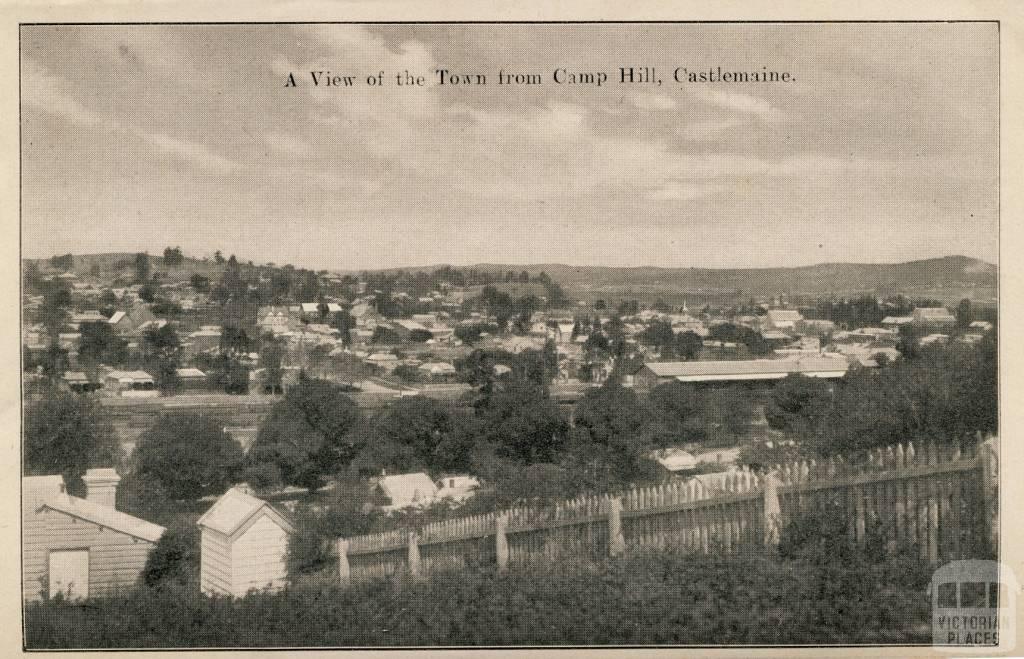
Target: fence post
(501, 541)
(616, 541)
(989, 456)
(344, 571)
(772, 510)
(414, 555)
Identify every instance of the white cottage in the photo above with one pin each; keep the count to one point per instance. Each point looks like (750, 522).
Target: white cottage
(77, 547)
(244, 545)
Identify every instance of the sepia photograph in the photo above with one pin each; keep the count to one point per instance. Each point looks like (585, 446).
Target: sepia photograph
(511, 335)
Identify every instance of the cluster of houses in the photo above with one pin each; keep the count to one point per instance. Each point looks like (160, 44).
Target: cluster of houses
(421, 349)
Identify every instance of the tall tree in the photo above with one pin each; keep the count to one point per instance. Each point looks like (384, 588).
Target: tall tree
(307, 434)
(522, 423)
(610, 438)
(162, 351)
(67, 434)
(964, 315)
(142, 270)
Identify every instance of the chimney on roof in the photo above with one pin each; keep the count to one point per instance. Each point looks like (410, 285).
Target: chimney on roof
(101, 486)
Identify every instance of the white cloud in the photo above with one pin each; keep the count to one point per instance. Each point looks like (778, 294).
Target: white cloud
(676, 191)
(653, 101)
(733, 101)
(45, 91)
(710, 129)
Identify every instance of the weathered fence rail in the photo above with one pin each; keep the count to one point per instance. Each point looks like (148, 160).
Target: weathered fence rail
(940, 501)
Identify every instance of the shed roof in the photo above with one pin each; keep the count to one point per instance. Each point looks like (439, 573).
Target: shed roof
(236, 508)
(404, 488)
(674, 459)
(784, 314)
(105, 516)
(738, 369)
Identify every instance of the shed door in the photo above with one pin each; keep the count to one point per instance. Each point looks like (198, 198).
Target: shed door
(69, 573)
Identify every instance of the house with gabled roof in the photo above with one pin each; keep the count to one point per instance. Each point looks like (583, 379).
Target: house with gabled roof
(80, 548)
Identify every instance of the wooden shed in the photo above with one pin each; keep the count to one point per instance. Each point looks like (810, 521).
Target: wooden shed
(244, 545)
(77, 547)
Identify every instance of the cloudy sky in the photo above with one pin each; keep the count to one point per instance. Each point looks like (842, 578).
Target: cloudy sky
(885, 148)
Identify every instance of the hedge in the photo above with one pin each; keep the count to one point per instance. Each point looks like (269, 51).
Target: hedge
(651, 599)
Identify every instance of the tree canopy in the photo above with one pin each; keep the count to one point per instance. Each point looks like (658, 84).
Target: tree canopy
(188, 455)
(66, 434)
(307, 435)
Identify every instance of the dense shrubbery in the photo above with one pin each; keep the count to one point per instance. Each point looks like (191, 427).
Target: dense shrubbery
(662, 598)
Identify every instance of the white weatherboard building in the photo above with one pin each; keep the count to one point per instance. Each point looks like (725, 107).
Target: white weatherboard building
(244, 545)
(80, 548)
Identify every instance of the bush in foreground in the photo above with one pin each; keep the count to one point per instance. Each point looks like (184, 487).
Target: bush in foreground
(656, 598)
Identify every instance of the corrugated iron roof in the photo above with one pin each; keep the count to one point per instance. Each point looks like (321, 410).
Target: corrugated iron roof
(740, 368)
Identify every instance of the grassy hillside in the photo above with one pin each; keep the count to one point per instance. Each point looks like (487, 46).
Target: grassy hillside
(108, 267)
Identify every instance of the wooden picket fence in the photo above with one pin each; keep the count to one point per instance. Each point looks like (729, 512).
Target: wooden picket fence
(938, 500)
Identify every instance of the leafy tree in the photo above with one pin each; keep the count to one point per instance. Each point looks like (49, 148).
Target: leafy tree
(307, 434)
(658, 334)
(411, 434)
(610, 439)
(67, 434)
(101, 344)
(964, 315)
(173, 257)
(799, 405)
(53, 313)
(477, 369)
(55, 362)
(225, 373)
(234, 340)
(522, 423)
(909, 341)
(470, 334)
(142, 268)
(271, 359)
(188, 455)
(147, 293)
(629, 308)
(919, 400)
(683, 412)
(344, 323)
(166, 309)
(385, 335)
(65, 262)
(407, 373)
(162, 350)
(689, 345)
(175, 559)
(218, 258)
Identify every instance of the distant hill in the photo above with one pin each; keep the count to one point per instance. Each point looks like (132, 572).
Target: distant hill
(945, 278)
(108, 267)
(955, 273)
(822, 278)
